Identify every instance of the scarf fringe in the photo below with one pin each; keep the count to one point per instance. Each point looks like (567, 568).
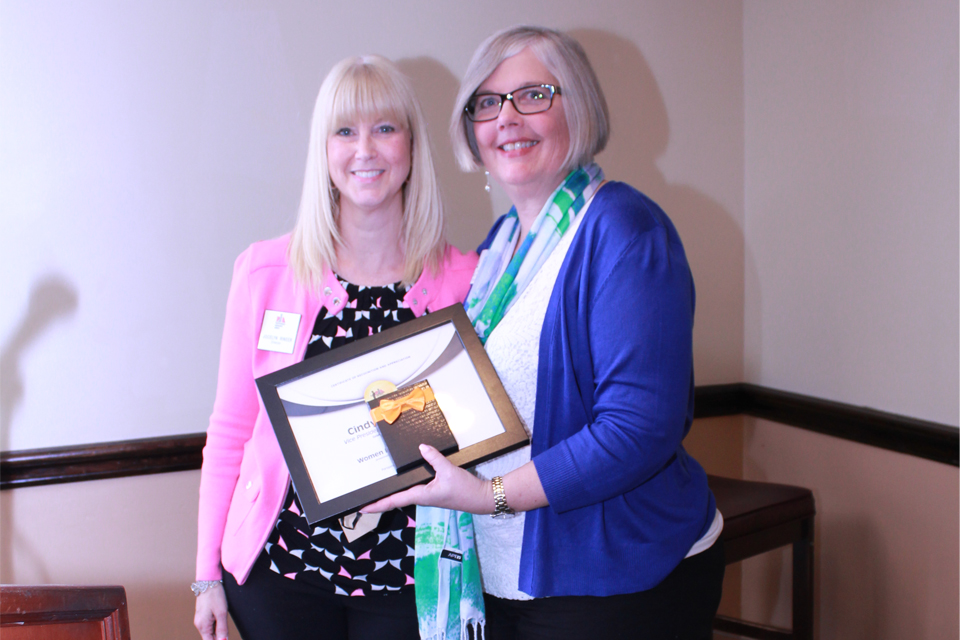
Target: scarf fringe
(477, 626)
(448, 592)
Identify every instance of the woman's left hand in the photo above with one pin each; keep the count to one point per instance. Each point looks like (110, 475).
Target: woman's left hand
(451, 488)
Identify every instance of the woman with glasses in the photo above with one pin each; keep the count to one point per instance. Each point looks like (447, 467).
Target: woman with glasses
(367, 253)
(604, 527)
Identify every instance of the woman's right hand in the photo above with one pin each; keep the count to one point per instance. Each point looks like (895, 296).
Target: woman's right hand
(451, 488)
(210, 618)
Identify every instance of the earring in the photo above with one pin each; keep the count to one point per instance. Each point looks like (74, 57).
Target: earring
(486, 187)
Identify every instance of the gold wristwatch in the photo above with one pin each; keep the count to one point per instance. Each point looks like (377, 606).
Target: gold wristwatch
(500, 507)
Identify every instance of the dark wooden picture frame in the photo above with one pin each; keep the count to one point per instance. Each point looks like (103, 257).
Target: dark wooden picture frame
(513, 436)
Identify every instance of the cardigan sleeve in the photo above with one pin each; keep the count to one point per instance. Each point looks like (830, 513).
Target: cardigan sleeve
(231, 424)
(616, 411)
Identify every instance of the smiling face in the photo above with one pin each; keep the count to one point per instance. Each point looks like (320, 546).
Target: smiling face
(369, 160)
(524, 153)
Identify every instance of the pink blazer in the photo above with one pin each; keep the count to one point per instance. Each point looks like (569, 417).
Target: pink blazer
(244, 478)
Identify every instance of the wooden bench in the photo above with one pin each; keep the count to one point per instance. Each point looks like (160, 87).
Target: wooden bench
(760, 517)
(55, 612)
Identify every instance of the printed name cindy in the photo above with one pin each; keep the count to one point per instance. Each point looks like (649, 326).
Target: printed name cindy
(363, 427)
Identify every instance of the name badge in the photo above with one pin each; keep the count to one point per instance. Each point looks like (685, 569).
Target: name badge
(279, 331)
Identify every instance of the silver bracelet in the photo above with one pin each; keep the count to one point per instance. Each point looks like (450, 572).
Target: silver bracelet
(200, 586)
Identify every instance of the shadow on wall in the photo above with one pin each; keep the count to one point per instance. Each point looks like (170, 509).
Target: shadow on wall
(468, 208)
(640, 133)
(51, 299)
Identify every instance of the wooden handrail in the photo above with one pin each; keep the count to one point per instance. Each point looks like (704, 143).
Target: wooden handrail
(929, 440)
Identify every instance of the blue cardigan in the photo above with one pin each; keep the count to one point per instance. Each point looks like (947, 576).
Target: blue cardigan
(614, 402)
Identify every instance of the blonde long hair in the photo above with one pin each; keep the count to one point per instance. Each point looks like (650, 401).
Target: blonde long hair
(357, 88)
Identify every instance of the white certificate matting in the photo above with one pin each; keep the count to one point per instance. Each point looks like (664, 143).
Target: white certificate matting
(332, 445)
(341, 446)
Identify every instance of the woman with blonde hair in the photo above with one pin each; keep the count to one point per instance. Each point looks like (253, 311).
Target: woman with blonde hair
(604, 527)
(367, 253)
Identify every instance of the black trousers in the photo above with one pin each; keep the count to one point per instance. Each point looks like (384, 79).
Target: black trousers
(269, 606)
(681, 607)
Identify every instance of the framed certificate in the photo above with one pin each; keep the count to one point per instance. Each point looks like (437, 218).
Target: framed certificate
(350, 421)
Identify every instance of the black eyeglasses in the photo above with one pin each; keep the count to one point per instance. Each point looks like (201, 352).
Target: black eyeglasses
(535, 98)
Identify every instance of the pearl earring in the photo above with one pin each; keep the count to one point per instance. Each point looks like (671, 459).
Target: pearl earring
(486, 187)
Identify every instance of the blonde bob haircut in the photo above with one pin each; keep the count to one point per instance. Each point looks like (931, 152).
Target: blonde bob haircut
(366, 87)
(587, 117)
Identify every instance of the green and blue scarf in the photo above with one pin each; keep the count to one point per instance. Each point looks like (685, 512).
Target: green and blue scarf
(447, 576)
(446, 571)
(501, 275)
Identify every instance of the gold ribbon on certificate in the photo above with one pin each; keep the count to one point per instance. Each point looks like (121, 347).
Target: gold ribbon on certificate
(390, 410)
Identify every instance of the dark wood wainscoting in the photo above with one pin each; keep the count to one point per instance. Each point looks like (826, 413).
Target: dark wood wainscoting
(930, 440)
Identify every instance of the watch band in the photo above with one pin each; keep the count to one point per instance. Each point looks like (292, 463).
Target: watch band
(500, 507)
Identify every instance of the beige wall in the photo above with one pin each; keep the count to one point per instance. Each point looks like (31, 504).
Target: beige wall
(851, 294)
(851, 191)
(137, 532)
(152, 142)
(886, 552)
(807, 153)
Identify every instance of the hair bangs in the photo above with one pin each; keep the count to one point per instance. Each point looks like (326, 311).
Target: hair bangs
(367, 93)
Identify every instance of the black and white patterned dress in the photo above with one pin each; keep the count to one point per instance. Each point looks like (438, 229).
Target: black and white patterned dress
(381, 560)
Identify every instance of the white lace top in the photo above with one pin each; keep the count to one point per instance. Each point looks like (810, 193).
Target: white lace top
(513, 348)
